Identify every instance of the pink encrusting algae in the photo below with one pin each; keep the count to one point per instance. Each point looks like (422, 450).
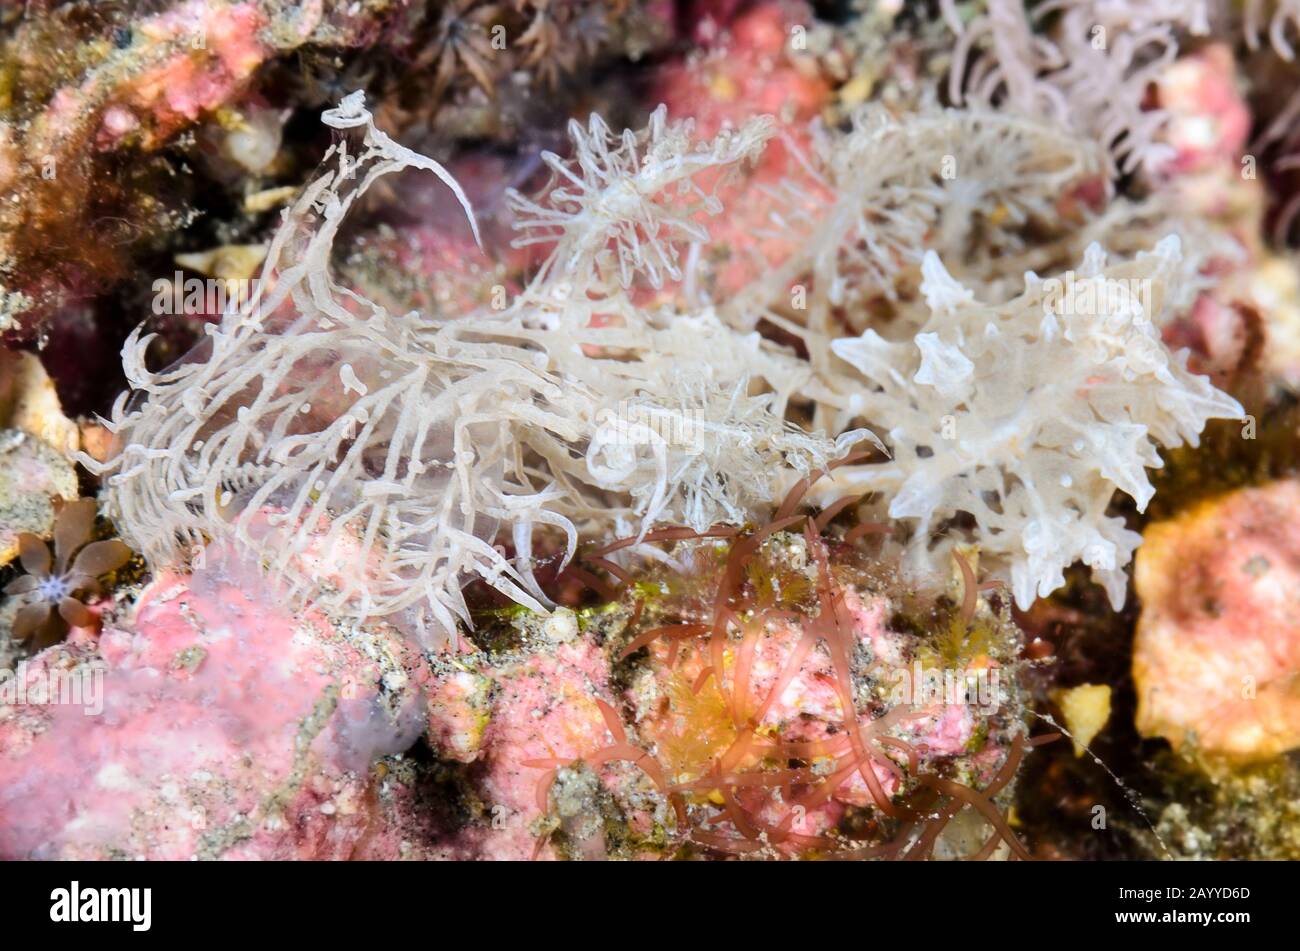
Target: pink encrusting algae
(227, 728)
(779, 698)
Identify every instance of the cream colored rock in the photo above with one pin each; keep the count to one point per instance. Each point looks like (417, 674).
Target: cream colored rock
(230, 262)
(1275, 287)
(28, 401)
(1086, 709)
(32, 474)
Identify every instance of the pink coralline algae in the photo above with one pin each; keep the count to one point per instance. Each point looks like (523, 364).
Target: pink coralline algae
(806, 711)
(228, 729)
(190, 59)
(750, 70)
(784, 698)
(1211, 176)
(180, 89)
(545, 715)
(1218, 644)
(606, 734)
(1209, 119)
(225, 727)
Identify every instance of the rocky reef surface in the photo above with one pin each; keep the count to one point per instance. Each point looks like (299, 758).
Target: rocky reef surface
(774, 430)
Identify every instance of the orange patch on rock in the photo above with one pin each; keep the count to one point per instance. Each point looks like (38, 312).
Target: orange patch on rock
(1216, 661)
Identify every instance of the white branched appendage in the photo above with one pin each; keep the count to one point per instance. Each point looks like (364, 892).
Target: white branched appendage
(324, 435)
(867, 202)
(370, 461)
(623, 205)
(1090, 72)
(1028, 416)
(1278, 20)
(686, 415)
